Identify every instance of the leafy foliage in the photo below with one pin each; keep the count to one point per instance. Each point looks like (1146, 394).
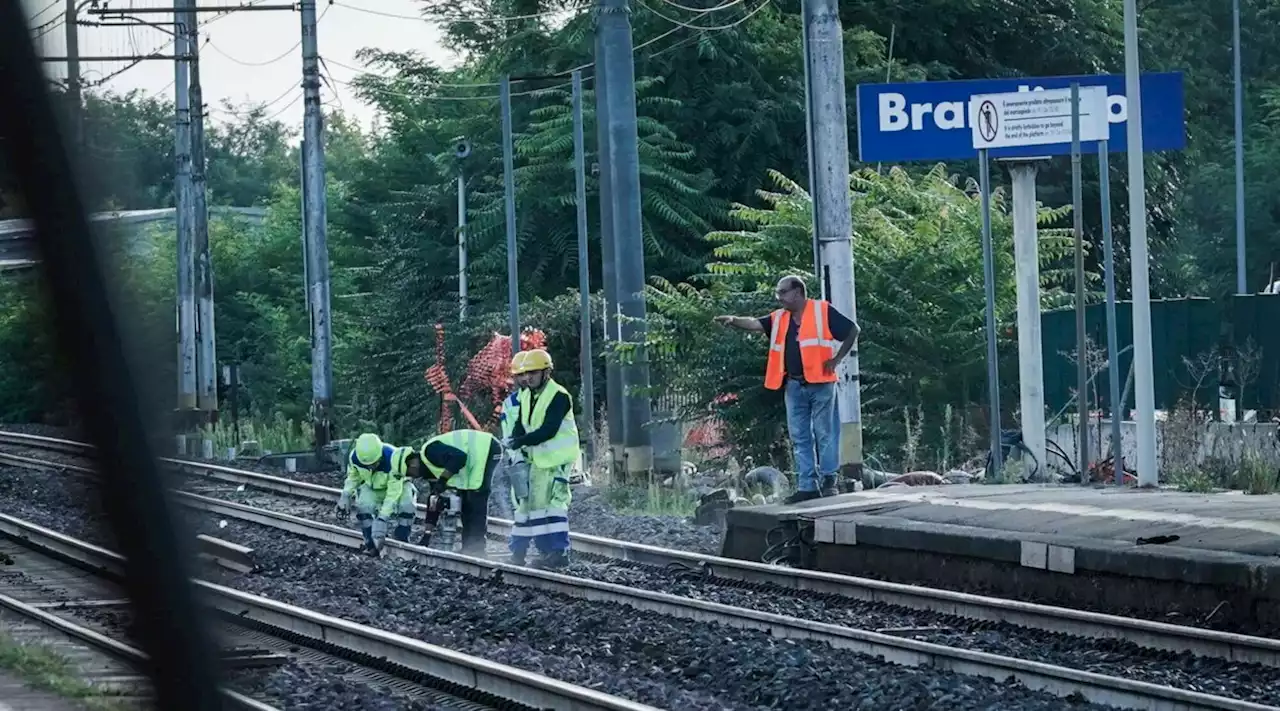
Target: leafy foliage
(918, 261)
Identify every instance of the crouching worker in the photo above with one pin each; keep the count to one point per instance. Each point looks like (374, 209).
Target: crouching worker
(376, 477)
(545, 435)
(462, 460)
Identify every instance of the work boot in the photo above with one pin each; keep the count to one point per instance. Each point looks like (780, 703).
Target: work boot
(401, 533)
(518, 557)
(368, 537)
(800, 496)
(425, 539)
(553, 560)
(828, 487)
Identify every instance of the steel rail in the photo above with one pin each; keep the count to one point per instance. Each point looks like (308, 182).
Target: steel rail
(1144, 633)
(112, 647)
(1061, 681)
(474, 673)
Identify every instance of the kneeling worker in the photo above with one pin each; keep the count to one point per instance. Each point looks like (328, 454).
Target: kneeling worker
(546, 434)
(376, 476)
(464, 460)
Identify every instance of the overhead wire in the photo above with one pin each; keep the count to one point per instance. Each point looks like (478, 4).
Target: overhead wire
(273, 60)
(704, 10)
(47, 8)
(686, 25)
(679, 26)
(421, 18)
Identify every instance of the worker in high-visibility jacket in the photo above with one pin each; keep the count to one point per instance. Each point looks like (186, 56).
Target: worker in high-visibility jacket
(377, 479)
(464, 460)
(546, 435)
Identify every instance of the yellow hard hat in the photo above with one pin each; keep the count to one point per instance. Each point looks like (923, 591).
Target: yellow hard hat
(517, 362)
(368, 449)
(530, 361)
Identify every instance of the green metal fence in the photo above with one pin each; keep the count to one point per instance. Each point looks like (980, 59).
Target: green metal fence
(1186, 336)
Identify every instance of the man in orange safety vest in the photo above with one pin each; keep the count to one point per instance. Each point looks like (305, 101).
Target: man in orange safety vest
(803, 355)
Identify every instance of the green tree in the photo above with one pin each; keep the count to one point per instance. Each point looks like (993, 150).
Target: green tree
(918, 257)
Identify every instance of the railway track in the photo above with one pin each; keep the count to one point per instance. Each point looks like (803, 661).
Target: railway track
(461, 681)
(894, 645)
(81, 618)
(1144, 633)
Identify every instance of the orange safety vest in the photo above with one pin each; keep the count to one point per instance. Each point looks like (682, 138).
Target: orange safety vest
(817, 345)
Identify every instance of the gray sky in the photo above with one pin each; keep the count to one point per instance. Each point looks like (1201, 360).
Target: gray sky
(265, 40)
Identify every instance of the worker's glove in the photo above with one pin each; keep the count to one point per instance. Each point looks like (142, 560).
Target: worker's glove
(342, 511)
(508, 443)
(379, 532)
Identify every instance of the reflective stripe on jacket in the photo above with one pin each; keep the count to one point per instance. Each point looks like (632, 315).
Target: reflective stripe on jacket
(476, 445)
(510, 410)
(817, 345)
(563, 448)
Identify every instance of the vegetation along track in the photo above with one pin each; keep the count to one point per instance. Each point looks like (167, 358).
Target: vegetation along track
(819, 599)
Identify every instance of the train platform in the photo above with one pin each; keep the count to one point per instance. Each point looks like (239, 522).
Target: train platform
(1172, 555)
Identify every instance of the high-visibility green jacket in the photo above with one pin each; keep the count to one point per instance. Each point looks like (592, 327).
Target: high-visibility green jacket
(460, 457)
(386, 477)
(560, 449)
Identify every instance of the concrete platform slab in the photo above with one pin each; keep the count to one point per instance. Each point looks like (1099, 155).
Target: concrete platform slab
(1167, 553)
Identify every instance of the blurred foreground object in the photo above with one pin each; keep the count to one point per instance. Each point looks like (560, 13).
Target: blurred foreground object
(170, 626)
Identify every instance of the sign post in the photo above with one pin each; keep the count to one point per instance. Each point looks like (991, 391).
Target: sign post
(1037, 119)
(931, 121)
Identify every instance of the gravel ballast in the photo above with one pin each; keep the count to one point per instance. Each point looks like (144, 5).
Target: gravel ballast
(1251, 682)
(588, 513)
(1244, 681)
(666, 662)
(324, 686)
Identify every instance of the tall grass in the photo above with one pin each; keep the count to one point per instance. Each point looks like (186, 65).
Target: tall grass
(275, 435)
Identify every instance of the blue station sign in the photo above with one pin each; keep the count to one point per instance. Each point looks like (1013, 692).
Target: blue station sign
(922, 121)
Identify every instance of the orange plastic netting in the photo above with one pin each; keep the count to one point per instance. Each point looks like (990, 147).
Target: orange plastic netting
(487, 379)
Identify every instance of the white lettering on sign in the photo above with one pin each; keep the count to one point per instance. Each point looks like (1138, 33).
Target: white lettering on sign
(1037, 118)
(895, 114)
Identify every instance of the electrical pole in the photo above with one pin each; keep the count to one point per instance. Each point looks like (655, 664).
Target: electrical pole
(828, 131)
(615, 411)
(74, 111)
(584, 277)
(618, 62)
(509, 189)
(1143, 376)
(1241, 280)
(317, 246)
(183, 216)
(206, 358)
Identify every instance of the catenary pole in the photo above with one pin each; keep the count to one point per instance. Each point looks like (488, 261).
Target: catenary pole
(75, 113)
(509, 183)
(1242, 284)
(584, 276)
(828, 128)
(182, 213)
(1143, 376)
(206, 355)
(316, 226)
(618, 59)
(615, 411)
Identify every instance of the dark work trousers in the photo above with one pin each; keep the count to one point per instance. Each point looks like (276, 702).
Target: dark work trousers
(475, 506)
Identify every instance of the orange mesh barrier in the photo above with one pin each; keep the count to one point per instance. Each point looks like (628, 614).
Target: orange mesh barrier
(488, 374)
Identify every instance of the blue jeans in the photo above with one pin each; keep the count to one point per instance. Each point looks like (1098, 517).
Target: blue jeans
(811, 423)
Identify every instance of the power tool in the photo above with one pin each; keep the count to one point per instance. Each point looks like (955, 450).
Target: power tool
(444, 518)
